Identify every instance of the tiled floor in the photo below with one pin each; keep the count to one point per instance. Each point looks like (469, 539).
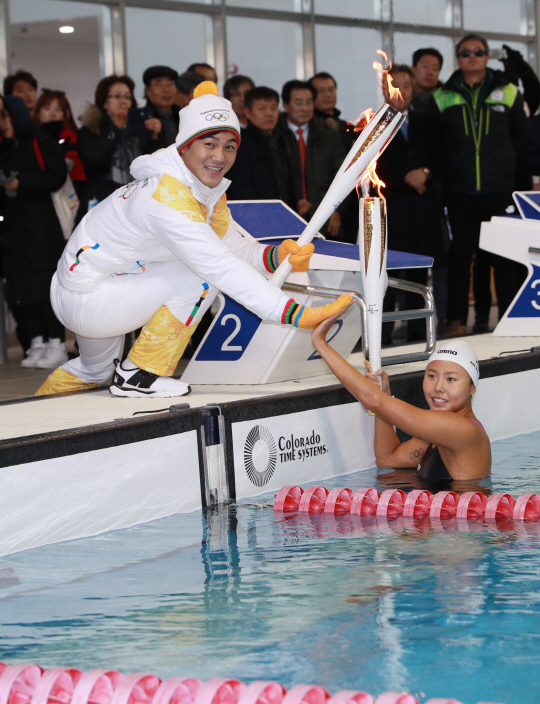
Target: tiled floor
(18, 382)
(15, 381)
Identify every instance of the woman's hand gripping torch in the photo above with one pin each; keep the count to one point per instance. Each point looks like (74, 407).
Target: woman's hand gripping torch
(371, 142)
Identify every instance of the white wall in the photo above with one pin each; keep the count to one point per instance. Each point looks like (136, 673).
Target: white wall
(73, 67)
(162, 38)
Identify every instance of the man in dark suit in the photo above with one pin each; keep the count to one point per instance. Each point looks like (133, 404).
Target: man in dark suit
(315, 151)
(261, 170)
(413, 211)
(325, 109)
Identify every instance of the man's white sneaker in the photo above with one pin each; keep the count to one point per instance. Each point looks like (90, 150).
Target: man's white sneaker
(37, 348)
(54, 355)
(138, 383)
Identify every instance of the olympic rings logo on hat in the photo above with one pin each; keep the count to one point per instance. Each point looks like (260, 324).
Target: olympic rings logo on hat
(217, 117)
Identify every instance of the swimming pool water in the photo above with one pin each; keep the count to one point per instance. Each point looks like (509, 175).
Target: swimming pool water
(451, 613)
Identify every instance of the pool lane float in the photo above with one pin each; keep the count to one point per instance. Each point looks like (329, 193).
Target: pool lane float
(56, 686)
(499, 507)
(177, 690)
(417, 504)
(17, 683)
(397, 698)
(391, 503)
(306, 694)
(471, 506)
(527, 508)
(262, 692)
(364, 502)
(22, 684)
(350, 696)
(96, 687)
(288, 499)
(365, 511)
(338, 501)
(444, 505)
(138, 688)
(313, 500)
(220, 690)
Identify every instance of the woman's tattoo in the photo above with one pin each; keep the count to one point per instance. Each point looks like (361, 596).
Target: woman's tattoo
(416, 454)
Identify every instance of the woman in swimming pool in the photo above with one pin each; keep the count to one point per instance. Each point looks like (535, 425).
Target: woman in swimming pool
(446, 446)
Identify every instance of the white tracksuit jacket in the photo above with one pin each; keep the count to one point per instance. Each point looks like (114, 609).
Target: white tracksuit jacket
(167, 214)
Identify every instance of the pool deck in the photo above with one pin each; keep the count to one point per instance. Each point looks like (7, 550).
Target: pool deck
(32, 416)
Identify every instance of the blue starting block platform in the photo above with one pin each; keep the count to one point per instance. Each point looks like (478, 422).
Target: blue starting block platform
(517, 237)
(240, 348)
(263, 220)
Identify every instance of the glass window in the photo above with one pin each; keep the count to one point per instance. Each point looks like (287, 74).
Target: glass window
(162, 37)
(422, 12)
(264, 50)
(283, 5)
(406, 43)
(359, 9)
(46, 10)
(348, 54)
(38, 46)
(493, 16)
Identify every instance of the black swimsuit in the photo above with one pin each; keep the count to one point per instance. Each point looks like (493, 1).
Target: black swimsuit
(432, 468)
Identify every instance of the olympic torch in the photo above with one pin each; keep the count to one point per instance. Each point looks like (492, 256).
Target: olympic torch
(371, 142)
(372, 241)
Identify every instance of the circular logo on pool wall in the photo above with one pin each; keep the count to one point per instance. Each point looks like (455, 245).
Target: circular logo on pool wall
(260, 455)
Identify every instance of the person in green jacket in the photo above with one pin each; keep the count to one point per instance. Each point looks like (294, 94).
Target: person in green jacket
(482, 129)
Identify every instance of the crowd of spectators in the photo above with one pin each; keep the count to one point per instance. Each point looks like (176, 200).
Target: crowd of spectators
(464, 147)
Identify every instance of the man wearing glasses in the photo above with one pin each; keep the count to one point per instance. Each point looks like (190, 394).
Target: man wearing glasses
(160, 113)
(482, 128)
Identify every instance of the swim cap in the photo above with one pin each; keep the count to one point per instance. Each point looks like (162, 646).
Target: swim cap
(461, 353)
(206, 112)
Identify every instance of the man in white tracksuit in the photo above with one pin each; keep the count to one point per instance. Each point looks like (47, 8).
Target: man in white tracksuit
(155, 253)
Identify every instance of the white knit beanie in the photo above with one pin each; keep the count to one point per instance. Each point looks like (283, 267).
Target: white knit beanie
(206, 112)
(461, 353)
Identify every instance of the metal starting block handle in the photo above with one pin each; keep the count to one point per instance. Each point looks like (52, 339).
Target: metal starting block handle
(428, 312)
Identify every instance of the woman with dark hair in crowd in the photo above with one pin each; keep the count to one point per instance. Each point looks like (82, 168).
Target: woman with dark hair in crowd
(53, 110)
(111, 136)
(32, 168)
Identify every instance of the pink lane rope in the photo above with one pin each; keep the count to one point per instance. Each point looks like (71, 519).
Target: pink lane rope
(418, 504)
(31, 684)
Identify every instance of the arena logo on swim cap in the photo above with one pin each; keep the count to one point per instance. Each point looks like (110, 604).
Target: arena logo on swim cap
(446, 352)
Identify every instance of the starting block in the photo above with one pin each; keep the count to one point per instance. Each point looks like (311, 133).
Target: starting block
(241, 348)
(517, 237)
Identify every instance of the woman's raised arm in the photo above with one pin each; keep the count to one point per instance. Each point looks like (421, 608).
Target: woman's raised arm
(449, 430)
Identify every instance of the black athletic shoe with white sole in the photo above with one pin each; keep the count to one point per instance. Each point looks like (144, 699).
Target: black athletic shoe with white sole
(138, 383)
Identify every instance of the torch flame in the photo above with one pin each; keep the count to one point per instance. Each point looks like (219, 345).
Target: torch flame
(394, 98)
(392, 95)
(362, 120)
(372, 177)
